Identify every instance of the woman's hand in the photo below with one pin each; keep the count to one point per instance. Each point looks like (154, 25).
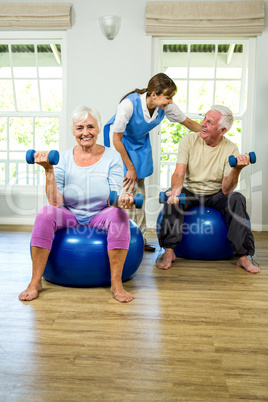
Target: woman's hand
(125, 201)
(41, 158)
(130, 179)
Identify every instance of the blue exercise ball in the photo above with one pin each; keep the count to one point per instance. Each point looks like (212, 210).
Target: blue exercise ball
(204, 235)
(79, 257)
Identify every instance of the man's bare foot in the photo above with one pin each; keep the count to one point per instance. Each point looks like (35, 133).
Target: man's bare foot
(31, 292)
(247, 265)
(167, 260)
(120, 293)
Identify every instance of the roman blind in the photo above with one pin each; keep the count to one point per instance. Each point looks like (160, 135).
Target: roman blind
(35, 16)
(205, 18)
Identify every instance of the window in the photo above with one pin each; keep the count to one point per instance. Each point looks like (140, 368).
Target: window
(31, 103)
(206, 72)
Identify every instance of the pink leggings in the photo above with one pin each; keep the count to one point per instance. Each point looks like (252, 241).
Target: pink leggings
(50, 219)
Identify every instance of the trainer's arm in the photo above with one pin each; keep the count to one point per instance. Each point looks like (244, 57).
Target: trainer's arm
(131, 175)
(191, 125)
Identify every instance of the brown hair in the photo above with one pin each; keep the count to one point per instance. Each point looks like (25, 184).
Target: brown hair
(159, 83)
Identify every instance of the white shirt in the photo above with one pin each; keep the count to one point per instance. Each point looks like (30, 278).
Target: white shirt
(125, 110)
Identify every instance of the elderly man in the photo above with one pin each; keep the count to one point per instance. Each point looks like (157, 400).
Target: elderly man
(203, 173)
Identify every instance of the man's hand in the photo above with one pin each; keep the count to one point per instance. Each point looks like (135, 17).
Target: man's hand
(242, 161)
(172, 198)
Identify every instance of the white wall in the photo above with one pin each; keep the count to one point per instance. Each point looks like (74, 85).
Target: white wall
(260, 188)
(100, 72)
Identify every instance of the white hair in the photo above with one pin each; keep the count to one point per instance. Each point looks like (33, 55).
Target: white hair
(81, 113)
(227, 118)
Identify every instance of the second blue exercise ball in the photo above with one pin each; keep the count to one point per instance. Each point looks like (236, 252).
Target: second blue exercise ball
(204, 235)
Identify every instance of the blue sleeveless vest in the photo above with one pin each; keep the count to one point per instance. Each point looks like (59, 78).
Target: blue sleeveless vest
(136, 137)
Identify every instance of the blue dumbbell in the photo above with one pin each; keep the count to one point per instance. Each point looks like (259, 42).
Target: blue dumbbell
(138, 200)
(163, 197)
(53, 157)
(233, 159)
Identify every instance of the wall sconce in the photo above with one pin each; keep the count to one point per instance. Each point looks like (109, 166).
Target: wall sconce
(110, 25)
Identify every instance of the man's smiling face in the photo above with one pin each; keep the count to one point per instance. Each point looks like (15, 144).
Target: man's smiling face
(210, 132)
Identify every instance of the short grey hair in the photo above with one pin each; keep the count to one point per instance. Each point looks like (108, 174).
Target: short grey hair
(227, 119)
(81, 113)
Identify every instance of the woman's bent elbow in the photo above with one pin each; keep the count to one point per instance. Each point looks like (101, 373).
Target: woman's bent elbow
(55, 203)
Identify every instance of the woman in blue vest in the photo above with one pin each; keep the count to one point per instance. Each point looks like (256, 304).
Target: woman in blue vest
(137, 114)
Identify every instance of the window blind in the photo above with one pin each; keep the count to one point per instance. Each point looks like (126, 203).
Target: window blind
(205, 18)
(35, 16)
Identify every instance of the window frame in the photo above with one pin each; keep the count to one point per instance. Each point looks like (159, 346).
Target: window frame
(37, 37)
(247, 115)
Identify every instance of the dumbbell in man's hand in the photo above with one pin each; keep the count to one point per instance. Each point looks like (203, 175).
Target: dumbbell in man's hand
(163, 197)
(233, 159)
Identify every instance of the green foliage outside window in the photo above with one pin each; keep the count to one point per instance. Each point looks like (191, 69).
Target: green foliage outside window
(30, 100)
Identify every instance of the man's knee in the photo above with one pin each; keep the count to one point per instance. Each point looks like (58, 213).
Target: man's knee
(236, 209)
(235, 198)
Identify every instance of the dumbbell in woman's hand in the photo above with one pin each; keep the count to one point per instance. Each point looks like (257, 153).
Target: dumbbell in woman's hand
(233, 159)
(53, 157)
(163, 197)
(138, 200)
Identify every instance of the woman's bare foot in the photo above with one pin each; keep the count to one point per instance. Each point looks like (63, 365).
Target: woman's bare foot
(247, 265)
(31, 292)
(120, 293)
(167, 260)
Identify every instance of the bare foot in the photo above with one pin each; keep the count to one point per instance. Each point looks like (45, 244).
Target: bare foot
(167, 260)
(121, 294)
(247, 265)
(31, 292)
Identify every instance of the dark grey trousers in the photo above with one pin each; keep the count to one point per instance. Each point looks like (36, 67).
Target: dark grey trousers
(232, 206)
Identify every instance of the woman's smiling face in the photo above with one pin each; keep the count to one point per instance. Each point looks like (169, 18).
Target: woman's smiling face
(163, 100)
(86, 132)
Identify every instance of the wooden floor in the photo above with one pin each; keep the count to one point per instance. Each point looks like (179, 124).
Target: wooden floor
(197, 332)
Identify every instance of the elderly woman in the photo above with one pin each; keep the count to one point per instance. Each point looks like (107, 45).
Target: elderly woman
(77, 190)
